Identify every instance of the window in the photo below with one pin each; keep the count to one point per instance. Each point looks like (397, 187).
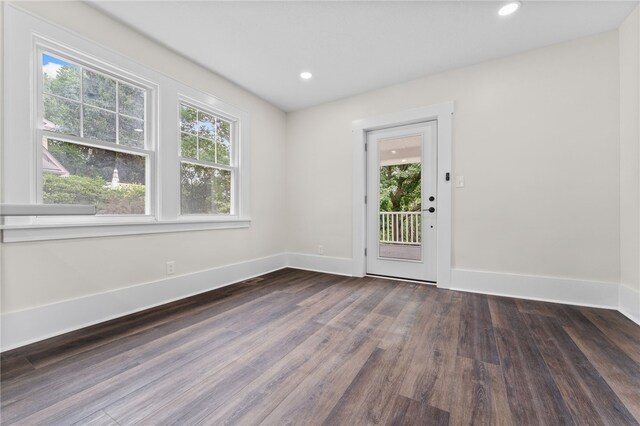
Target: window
(94, 147)
(88, 126)
(206, 168)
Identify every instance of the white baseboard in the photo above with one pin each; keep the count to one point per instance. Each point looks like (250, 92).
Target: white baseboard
(31, 325)
(630, 303)
(318, 263)
(547, 289)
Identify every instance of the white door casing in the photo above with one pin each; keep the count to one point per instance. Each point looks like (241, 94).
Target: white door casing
(443, 114)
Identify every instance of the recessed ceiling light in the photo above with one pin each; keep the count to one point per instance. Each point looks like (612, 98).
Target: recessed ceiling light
(393, 151)
(404, 160)
(305, 75)
(509, 8)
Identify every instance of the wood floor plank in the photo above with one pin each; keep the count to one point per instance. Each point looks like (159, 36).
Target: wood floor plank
(50, 407)
(123, 385)
(274, 341)
(575, 375)
(14, 367)
(402, 327)
(396, 300)
(227, 297)
(50, 378)
(327, 295)
(532, 392)
(167, 318)
(475, 338)
(203, 399)
(314, 398)
(358, 310)
(256, 401)
(302, 347)
(501, 310)
(533, 395)
(370, 397)
(428, 378)
(618, 328)
(408, 412)
(82, 338)
(103, 336)
(99, 418)
(76, 363)
(174, 390)
(534, 307)
(125, 369)
(620, 371)
(345, 301)
(479, 387)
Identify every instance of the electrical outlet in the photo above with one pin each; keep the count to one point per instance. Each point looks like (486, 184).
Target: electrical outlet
(171, 267)
(320, 249)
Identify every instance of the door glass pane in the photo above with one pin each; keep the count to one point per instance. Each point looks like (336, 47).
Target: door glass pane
(400, 195)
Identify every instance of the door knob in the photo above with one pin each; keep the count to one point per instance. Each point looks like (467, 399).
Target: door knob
(430, 210)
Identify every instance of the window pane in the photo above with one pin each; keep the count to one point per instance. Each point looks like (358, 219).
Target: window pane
(205, 190)
(188, 146)
(224, 142)
(188, 119)
(206, 150)
(61, 115)
(131, 100)
(206, 125)
(77, 174)
(99, 124)
(222, 152)
(60, 78)
(98, 90)
(222, 194)
(196, 189)
(131, 132)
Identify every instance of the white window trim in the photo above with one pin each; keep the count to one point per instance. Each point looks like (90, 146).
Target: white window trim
(20, 163)
(234, 158)
(40, 46)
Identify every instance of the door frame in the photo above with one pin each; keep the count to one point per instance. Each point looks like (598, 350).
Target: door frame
(442, 113)
(424, 268)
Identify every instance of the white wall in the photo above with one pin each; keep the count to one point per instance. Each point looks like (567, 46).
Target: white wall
(40, 273)
(537, 137)
(630, 164)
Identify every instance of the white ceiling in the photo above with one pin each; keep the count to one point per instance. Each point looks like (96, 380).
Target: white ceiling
(353, 47)
(405, 150)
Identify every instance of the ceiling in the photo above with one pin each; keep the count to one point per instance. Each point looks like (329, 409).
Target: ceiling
(404, 150)
(353, 47)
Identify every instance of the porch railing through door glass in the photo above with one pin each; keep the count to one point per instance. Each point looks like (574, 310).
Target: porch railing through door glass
(401, 227)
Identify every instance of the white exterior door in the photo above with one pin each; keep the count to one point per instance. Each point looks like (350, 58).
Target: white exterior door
(401, 201)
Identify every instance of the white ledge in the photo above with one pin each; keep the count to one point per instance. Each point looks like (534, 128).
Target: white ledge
(18, 233)
(46, 209)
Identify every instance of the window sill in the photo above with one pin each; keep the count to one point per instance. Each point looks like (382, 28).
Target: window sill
(18, 233)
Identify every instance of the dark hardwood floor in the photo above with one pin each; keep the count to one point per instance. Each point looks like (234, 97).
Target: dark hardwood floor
(296, 347)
